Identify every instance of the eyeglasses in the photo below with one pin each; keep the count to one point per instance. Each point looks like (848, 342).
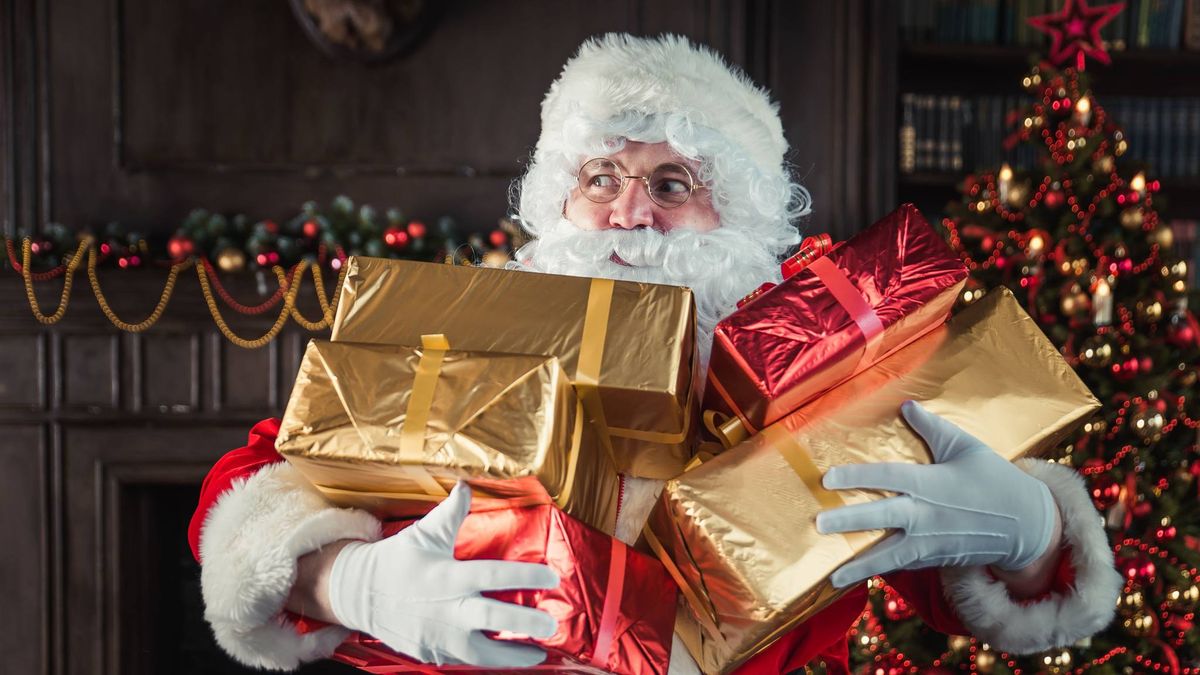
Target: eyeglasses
(669, 185)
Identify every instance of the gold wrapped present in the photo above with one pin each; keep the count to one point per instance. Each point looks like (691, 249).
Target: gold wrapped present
(738, 531)
(390, 428)
(629, 348)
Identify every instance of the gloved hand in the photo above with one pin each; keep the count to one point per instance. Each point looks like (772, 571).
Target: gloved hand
(410, 592)
(971, 507)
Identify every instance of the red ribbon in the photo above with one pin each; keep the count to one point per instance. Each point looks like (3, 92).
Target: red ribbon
(850, 298)
(612, 605)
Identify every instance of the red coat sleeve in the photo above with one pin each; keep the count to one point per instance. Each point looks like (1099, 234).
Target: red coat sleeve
(258, 452)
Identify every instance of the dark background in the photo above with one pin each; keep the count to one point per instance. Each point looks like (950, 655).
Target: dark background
(140, 110)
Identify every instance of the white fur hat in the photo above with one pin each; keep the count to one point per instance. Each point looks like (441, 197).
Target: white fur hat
(618, 73)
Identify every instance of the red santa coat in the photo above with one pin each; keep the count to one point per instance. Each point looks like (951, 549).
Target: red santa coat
(256, 516)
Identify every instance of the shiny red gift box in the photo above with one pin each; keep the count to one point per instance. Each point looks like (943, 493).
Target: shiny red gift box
(615, 606)
(839, 310)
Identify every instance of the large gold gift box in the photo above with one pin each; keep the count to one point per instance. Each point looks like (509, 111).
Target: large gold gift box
(387, 428)
(628, 347)
(738, 531)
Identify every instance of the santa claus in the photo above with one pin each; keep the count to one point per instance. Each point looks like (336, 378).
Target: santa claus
(657, 162)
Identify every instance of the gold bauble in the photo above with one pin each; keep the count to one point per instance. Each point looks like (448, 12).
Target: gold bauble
(958, 644)
(985, 660)
(1140, 624)
(1055, 661)
(1182, 598)
(1096, 351)
(231, 260)
(1132, 218)
(1105, 164)
(1130, 603)
(1148, 424)
(1164, 236)
(1149, 311)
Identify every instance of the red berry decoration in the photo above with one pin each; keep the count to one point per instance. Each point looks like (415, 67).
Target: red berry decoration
(1054, 199)
(1165, 533)
(311, 229)
(897, 609)
(1105, 491)
(498, 238)
(180, 247)
(395, 237)
(271, 226)
(416, 229)
(1126, 370)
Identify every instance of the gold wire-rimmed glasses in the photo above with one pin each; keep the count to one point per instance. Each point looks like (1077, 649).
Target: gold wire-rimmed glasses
(669, 185)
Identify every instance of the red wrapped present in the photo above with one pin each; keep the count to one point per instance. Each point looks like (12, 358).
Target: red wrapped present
(839, 310)
(615, 606)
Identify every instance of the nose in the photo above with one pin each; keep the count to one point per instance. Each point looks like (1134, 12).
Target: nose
(633, 209)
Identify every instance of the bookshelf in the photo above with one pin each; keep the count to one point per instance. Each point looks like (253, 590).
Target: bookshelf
(1166, 80)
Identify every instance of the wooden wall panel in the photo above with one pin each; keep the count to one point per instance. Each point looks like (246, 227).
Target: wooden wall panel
(90, 373)
(170, 372)
(23, 581)
(245, 378)
(23, 364)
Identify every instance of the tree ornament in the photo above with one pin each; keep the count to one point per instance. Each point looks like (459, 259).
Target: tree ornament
(1055, 661)
(395, 237)
(1097, 351)
(1147, 423)
(1164, 236)
(1130, 603)
(1075, 31)
(1105, 491)
(180, 247)
(958, 644)
(231, 260)
(498, 238)
(1126, 369)
(1054, 199)
(497, 259)
(416, 229)
(985, 659)
(1104, 164)
(1073, 300)
(1132, 218)
(1149, 310)
(1141, 624)
(1165, 531)
(1182, 598)
(311, 229)
(1181, 330)
(1138, 569)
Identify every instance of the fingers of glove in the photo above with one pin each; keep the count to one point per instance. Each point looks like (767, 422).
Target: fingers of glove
(484, 651)
(896, 552)
(945, 439)
(504, 575)
(481, 613)
(894, 512)
(892, 476)
(439, 528)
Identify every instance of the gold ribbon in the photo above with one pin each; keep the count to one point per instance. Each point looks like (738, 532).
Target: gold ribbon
(729, 430)
(416, 415)
(799, 458)
(589, 366)
(703, 611)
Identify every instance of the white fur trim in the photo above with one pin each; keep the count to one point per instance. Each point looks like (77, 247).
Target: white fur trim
(637, 501)
(618, 73)
(984, 605)
(249, 545)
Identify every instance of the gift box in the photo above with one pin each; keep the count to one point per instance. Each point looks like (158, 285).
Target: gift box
(615, 606)
(837, 313)
(738, 531)
(628, 347)
(390, 429)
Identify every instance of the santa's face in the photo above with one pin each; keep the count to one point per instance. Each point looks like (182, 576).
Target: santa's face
(634, 209)
(633, 238)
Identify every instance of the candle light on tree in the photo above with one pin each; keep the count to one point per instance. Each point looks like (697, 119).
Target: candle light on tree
(1004, 179)
(1083, 111)
(1102, 302)
(1138, 184)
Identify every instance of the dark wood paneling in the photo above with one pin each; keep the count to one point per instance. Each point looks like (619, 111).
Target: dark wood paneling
(23, 582)
(90, 371)
(169, 372)
(246, 378)
(22, 362)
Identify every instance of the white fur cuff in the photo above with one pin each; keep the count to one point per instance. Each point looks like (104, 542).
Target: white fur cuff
(249, 545)
(984, 605)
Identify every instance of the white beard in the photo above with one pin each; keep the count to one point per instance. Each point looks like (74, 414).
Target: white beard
(720, 266)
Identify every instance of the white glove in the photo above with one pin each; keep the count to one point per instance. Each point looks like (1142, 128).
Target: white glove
(971, 507)
(410, 592)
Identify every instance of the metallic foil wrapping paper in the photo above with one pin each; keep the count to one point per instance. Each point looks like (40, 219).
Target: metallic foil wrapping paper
(628, 347)
(491, 418)
(739, 529)
(610, 594)
(799, 339)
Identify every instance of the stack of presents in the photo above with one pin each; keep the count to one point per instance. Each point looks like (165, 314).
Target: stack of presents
(541, 391)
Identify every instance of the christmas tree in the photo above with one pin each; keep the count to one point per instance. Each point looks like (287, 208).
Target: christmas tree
(1077, 237)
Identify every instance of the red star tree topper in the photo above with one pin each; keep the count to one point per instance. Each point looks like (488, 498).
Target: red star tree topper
(1075, 31)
